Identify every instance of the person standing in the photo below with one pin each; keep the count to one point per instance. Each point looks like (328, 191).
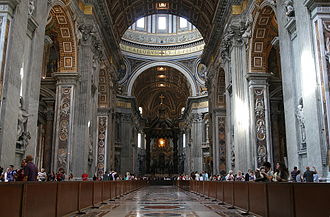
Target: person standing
(84, 176)
(30, 170)
(42, 176)
(11, 174)
(309, 175)
(20, 172)
(294, 173)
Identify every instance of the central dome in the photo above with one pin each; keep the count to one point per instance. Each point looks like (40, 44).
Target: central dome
(162, 35)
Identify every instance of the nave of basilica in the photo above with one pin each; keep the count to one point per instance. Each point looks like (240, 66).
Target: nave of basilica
(162, 88)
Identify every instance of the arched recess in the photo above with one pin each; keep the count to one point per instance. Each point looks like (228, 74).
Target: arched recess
(265, 33)
(184, 71)
(60, 54)
(265, 58)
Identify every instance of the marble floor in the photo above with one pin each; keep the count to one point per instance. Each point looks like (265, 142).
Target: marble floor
(162, 201)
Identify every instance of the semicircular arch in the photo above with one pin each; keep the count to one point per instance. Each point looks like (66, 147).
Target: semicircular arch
(265, 30)
(61, 22)
(145, 67)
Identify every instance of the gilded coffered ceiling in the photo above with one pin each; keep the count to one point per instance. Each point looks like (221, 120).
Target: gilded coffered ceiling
(166, 89)
(199, 12)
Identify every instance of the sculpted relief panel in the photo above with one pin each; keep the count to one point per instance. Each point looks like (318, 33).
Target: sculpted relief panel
(64, 114)
(260, 124)
(101, 144)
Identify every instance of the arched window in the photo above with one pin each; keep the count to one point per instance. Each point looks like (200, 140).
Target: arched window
(140, 23)
(183, 23)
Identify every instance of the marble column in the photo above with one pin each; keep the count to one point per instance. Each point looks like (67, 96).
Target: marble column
(12, 30)
(64, 111)
(240, 108)
(84, 150)
(196, 146)
(49, 136)
(320, 16)
(260, 118)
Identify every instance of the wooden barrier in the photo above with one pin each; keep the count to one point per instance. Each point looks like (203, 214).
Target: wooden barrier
(206, 188)
(67, 198)
(280, 199)
(220, 191)
(213, 190)
(258, 198)
(58, 198)
(311, 199)
(85, 195)
(269, 199)
(241, 195)
(97, 192)
(106, 195)
(229, 193)
(39, 199)
(11, 199)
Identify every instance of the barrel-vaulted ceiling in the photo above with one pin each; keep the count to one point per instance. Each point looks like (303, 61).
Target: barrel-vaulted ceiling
(166, 88)
(200, 13)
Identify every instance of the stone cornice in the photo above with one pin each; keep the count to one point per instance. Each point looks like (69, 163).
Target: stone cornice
(312, 4)
(103, 18)
(219, 22)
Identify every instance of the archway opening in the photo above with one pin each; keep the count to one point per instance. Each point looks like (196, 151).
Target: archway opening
(265, 58)
(161, 93)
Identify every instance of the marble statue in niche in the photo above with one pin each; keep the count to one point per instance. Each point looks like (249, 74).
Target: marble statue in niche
(301, 120)
(23, 135)
(248, 30)
(53, 58)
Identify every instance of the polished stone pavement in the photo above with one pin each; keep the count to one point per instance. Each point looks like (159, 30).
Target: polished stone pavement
(162, 201)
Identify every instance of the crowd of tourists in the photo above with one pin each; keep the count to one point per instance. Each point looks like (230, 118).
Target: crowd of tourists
(262, 174)
(29, 172)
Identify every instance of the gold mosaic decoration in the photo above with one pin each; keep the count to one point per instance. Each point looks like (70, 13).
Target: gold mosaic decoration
(66, 38)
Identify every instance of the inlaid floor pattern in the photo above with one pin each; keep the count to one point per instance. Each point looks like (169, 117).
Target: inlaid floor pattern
(155, 201)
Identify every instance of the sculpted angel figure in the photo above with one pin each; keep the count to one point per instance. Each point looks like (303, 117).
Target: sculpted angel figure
(289, 8)
(31, 7)
(301, 120)
(327, 50)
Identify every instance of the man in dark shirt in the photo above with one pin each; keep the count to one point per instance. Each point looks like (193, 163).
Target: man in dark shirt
(30, 170)
(294, 174)
(308, 175)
